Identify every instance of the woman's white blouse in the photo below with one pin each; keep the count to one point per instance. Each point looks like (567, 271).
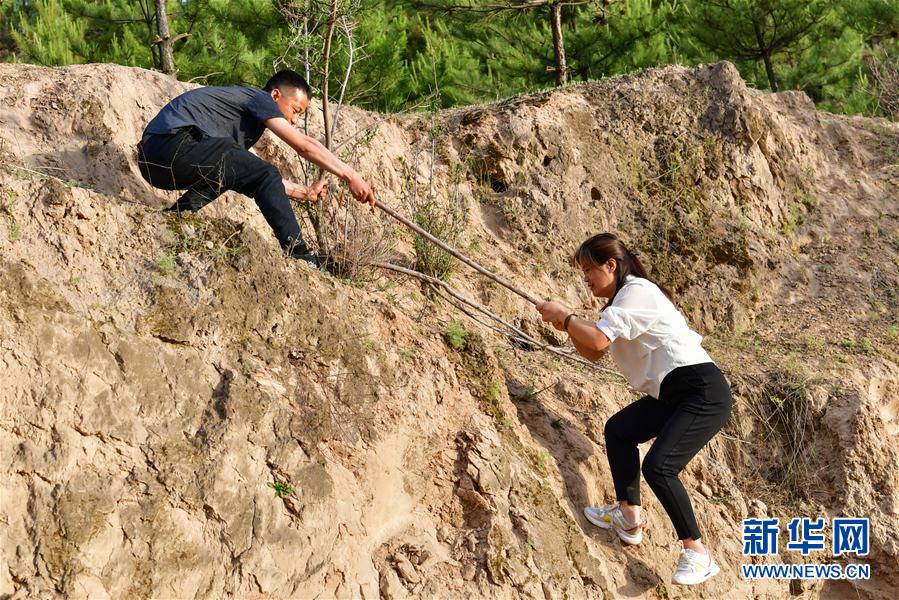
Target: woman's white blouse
(650, 337)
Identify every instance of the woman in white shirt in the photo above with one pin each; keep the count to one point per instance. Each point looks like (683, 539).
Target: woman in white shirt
(686, 402)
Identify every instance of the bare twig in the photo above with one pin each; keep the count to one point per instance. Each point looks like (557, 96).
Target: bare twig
(326, 63)
(348, 31)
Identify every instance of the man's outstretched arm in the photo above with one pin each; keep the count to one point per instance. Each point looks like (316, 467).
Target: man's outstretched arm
(313, 151)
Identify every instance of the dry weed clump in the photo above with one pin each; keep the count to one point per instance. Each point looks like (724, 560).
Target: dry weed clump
(786, 448)
(350, 240)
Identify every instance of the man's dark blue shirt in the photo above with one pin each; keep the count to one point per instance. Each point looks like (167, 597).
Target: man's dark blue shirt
(238, 113)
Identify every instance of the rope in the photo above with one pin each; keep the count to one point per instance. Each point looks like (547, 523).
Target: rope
(449, 249)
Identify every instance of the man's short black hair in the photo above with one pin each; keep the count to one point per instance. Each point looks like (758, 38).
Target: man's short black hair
(288, 79)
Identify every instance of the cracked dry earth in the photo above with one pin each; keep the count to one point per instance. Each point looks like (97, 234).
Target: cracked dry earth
(162, 375)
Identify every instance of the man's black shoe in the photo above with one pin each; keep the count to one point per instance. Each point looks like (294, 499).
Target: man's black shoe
(310, 258)
(301, 251)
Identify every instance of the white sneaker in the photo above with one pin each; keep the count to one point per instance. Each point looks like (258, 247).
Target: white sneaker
(694, 568)
(609, 517)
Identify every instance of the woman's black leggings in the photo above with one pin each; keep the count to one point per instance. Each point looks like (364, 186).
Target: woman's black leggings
(694, 403)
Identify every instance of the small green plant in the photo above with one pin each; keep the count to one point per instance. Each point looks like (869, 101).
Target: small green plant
(368, 342)
(662, 592)
(74, 281)
(246, 368)
(442, 217)
(167, 263)
(444, 223)
(456, 335)
(530, 545)
(406, 353)
(720, 499)
(15, 232)
(281, 489)
(866, 347)
(541, 462)
(557, 423)
(893, 331)
(792, 221)
(492, 399)
(813, 343)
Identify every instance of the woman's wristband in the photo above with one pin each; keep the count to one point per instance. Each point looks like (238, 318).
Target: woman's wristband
(566, 321)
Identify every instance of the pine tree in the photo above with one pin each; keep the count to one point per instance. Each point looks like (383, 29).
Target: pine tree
(46, 34)
(756, 31)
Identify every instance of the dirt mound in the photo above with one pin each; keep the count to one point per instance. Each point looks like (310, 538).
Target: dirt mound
(186, 413)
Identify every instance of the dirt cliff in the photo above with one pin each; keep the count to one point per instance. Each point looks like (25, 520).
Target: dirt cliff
(186, 413)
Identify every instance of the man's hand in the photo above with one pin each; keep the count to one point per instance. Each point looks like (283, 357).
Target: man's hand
(313, 151)
(317, 191)
(360, 189)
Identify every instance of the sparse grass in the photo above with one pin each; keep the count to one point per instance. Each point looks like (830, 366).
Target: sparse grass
(369, 343)
(662, 592)
(15, 232)
(813, 343)
(672, 217)
(541, 461)
(492, 400)
(245, 368)
(167, 263)
(792, 220)
(456, 335)
(281, 489)
(862, 346)
(867, 347)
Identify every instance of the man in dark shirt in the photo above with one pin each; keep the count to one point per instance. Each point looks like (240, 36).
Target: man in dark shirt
(200, 142)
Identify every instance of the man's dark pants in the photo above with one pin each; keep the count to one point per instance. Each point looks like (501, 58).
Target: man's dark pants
(207, 167)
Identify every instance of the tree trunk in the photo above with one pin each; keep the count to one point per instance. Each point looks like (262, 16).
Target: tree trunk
(326, 59)
(766, 55)
(165, 43)
(555, 12)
